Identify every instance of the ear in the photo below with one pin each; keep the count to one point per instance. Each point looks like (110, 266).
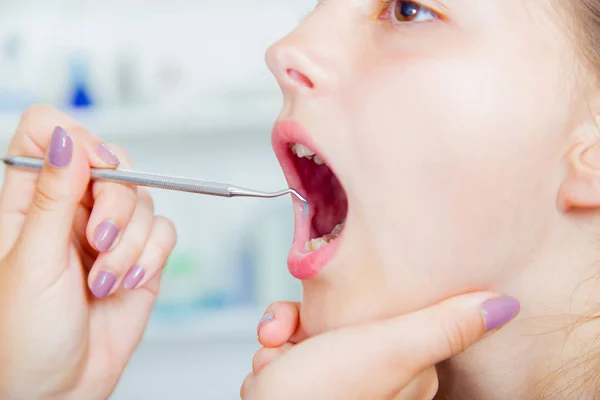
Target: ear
(581, 185)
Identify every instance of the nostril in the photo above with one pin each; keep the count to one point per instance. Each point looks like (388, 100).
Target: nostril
(300, 78)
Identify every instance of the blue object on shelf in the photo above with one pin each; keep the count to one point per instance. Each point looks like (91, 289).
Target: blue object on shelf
(80, 96)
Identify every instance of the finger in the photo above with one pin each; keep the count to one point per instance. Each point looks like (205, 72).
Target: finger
(136, 306)
(266, 355)
(392, 352)
(449, 328)
(129, 311)
(281, 324)
(423, 387)
(47, 228)
(247, 382)
(161, 242)
(82, 216)
(403, 347)
(32, 138)
(114, 205)
(112, 268)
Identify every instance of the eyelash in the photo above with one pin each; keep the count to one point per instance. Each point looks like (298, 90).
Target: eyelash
(386, 12)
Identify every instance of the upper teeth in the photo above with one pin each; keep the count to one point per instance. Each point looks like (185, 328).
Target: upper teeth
(302, 151)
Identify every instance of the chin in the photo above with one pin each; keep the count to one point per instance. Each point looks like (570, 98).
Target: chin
(324, 312)
(346, 294)
(318, 316)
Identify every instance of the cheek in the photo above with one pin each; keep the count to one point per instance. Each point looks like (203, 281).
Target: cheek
(464, 168)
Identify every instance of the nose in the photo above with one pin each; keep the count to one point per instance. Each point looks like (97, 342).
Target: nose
(298, 67)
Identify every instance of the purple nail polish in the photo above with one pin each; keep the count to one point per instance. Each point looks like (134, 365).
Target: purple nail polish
(265, 320)
(103, 284)
(107, 155)
(133, 277)
(60, 150)
(499, 312)
(105, 236)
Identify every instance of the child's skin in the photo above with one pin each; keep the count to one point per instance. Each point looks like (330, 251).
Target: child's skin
(467, 142)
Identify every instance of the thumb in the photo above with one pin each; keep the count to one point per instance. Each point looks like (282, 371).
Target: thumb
(378, 360)
(61, 185)
(448, 328)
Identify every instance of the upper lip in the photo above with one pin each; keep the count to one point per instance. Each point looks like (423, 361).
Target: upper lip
(285, 134)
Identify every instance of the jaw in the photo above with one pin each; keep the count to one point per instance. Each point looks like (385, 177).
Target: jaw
(351, 290)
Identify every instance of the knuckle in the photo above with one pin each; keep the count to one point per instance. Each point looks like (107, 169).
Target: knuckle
(125, 257)
(34, 129)
(128, 195)
(44, 199)
(456, 335)
(280, 306)
(37, 111)
(136, 239)
(123, 196)
(82, 133)
(258, 358)
(245, 385)
(145, 199)
(166, 234)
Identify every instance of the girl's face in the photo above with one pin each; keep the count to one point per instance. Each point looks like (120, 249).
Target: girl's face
(446, 123)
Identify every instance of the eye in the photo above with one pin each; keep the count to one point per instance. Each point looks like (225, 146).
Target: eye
(408, 11)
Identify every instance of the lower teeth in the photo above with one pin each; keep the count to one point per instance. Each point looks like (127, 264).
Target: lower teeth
(316, 244)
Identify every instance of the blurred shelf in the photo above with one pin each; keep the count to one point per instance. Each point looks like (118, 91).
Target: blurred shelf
(221, 325)
(205, 118)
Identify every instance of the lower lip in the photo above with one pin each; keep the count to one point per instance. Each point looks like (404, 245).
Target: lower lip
(302, 265)
(305, 265)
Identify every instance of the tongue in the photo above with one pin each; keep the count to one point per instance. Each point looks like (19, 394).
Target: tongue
(330, 208)
(325, 195)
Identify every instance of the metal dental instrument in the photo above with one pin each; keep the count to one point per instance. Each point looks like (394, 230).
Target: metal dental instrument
(161, 181)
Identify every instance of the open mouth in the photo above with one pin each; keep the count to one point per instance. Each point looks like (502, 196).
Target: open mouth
(325, 195)
(317, 234)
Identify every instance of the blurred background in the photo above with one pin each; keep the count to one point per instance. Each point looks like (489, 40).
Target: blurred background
(183, 86)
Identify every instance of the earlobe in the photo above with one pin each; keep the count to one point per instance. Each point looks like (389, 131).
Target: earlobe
(581, 186)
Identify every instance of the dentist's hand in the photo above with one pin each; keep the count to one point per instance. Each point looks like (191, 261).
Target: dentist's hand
(68, 250)
(392, 359)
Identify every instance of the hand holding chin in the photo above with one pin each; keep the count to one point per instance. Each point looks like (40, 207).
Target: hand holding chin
(390, 359)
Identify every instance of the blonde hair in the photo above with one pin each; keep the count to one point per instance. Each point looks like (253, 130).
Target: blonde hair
(584, 18)
(587, 24)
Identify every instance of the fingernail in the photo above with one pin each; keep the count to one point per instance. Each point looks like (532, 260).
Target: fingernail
(265, 320)
(105, 236)
(499, 312)
(107, 155)
(60, 150)
(133, 277)
(103, 284)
